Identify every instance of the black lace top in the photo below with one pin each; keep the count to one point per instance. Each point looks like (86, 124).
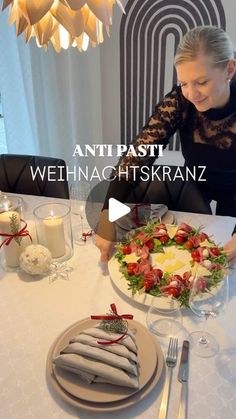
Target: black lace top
(207, 138)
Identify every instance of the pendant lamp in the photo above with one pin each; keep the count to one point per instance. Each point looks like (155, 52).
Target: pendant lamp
(64, 23)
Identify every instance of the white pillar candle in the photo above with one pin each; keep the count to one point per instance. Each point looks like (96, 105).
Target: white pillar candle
(55, 237)
(13, 250)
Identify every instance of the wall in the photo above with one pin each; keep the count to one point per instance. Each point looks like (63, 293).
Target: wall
(91, 113)
(174, 18)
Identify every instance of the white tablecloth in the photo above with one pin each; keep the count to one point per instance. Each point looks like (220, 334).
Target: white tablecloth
(34, 312)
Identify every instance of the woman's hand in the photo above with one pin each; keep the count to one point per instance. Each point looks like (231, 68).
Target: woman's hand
(105, 236)
(230, 249)
(105, 246)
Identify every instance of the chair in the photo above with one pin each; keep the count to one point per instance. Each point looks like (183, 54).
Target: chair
(177, 194)
(33, 175)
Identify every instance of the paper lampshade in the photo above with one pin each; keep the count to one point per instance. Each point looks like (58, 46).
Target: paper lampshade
(64, 23)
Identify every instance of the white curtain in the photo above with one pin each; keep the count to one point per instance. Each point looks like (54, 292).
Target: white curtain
(14, 70)
(50, 101)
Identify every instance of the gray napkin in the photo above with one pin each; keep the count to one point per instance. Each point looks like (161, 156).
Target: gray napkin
(116, 348)
(115, 363)
(109, 374)
(128, 341)
(103, 356)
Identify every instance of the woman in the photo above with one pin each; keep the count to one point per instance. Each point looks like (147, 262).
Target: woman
(203, 108)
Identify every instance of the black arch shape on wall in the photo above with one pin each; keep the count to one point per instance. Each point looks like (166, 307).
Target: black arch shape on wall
(145, 23)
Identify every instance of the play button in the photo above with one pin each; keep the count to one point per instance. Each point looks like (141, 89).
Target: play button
(105, 222)
(116, 210)
(118, 219)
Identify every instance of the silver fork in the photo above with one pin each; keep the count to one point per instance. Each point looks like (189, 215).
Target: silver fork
(171, 359)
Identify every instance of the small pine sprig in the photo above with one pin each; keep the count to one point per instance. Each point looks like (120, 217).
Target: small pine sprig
(15, 226)
(114, 325)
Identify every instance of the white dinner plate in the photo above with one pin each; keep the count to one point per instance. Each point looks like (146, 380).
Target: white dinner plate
(105, 396)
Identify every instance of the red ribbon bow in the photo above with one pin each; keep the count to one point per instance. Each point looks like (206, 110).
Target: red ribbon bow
(88, 234)
(135, 216)
(9, 236)
(113, 317)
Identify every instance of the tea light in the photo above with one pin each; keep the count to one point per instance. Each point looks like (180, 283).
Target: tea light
(54, 234)
(12, 251)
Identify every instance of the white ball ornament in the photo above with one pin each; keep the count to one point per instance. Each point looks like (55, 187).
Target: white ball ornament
(35, 259)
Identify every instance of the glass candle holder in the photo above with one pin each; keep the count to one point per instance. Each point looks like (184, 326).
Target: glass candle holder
(14, 237)
(10, 203)
(53, 227)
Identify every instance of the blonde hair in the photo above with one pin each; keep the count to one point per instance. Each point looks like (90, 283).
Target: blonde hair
(207, 40)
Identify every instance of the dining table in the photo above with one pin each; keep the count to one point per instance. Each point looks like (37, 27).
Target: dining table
(36, 309)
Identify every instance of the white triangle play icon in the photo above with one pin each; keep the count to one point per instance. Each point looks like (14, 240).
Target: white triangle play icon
(116, 209)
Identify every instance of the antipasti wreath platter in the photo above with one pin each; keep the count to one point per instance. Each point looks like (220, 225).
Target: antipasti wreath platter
(163, 259)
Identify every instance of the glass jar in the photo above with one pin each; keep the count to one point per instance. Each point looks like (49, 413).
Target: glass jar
(53, 227)
(14, 237)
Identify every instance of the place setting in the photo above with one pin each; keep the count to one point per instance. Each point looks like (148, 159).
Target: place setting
(105, 363)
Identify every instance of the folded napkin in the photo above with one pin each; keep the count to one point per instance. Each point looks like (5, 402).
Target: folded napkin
(96, 363)
(128, 341)
(116, 348)
(109, 374)
(101, 355)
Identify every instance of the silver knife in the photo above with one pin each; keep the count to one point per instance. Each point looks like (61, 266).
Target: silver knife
(183, 378)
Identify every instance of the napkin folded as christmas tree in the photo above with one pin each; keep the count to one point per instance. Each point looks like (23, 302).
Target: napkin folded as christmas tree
(94, 362)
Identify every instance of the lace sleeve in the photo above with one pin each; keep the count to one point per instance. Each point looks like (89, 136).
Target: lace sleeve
(166, 119)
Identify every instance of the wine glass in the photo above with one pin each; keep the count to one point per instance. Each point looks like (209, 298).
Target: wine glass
(77, 205)
(164, 317)
(207, 301)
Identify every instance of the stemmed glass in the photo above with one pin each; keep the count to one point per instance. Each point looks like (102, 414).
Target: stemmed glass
(164, 317)
(207, 301)
(77, 204)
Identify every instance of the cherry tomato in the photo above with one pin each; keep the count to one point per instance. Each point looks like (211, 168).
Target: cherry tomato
(164, 239)
(150, 244)
(179, 239)
(189, 244)
(196, 256)
(126, 249)
(215, 251)
(131, 268)
(173, 291)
